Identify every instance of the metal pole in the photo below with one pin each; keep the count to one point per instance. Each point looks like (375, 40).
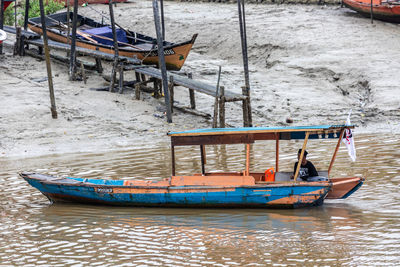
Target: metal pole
(161, 60)
(68, 19)
(26, 15)
(1, 22)
(116, 53)
(162, 19)
(72, 62)
(48, 66)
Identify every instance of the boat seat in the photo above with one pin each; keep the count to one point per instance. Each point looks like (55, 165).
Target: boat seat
(285, 176)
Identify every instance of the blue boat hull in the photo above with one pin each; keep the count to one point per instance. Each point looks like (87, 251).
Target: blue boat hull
(115, 193)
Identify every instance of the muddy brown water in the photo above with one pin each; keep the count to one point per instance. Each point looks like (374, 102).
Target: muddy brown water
(361, 230)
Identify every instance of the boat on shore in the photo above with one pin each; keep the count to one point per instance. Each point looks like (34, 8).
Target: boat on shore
(388, 10)
(271, 188)
(97, 36)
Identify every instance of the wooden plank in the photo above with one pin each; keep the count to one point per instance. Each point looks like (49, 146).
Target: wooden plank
(301, 157)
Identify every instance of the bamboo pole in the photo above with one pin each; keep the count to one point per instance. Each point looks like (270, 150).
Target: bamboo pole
(336, 150)
(161, 60)
(171, 92)
(116, 52)
(72, 63)
(247, 172)
(301, 156)
(277, 152)
(215, 119)
(48, 65)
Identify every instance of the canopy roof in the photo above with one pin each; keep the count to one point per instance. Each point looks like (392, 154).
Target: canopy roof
(249, 135)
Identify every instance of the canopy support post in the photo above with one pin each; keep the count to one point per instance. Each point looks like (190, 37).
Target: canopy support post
(173, 160)
(277, 152)
(203, 159)
(247, 172)
(336, 150)
(301, 156)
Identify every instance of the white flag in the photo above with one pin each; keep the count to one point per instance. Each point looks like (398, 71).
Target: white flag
(348, 139)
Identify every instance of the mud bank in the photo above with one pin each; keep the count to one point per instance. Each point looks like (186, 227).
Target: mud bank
(310, 63)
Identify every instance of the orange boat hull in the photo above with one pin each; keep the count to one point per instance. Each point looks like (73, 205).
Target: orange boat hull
(386, 11)
(344, 187)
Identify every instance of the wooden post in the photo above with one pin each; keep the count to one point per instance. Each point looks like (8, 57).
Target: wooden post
(161, 60)
(372, 12)
(121, 78)
(203, 159)
(336, 150)
(191, 94)
(247, 172)
(222, 107)
(215, 120)
(247, 118)
(83, 73)
(173, 160)
(162, 19)
(68, 19)
(137, 90)
(277, 152)
(17, 46)
(72, 62)
(99, 67)
(116, 54)
(156, 92)
(26, 17)
(171, 92)
(48, 66)
(301, 156)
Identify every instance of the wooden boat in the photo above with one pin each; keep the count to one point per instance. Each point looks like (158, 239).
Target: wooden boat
(265, 189)
(3, 36)
(90, 2)
(388, 10)
(98, 36)
(7, 3)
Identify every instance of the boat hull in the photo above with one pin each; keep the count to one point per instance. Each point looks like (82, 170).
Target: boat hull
(175, 54)
(286, 195)
(344, 187)
(381, 11)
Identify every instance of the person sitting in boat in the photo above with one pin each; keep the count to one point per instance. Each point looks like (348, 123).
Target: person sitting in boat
(307, 170)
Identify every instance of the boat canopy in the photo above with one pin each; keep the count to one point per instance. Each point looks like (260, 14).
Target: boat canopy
(248, 135)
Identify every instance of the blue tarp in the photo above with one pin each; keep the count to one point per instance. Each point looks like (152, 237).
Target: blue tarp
(107, 32)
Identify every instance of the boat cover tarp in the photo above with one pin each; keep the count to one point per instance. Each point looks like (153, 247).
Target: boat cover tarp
(106, 32)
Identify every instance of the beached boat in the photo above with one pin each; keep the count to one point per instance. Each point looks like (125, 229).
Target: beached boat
(382, 10)
(7, 3)
(3, 36)
(267, 189)
(98, 36)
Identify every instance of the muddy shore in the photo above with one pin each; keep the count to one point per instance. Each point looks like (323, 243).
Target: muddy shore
(312, 63)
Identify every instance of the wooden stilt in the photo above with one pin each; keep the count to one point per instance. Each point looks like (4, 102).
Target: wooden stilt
(191, 94)
(171, 92)
(121, 78)
(137, 91)
(26, 16)
(83, 73)
(247, 172)
(72, 63)
(99, 66)
(48, 65)
(215, 119)
(116, 53)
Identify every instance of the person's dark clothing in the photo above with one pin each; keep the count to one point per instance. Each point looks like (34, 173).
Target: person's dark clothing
(306, 171)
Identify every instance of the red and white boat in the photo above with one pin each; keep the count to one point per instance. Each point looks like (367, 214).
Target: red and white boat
(386, 10)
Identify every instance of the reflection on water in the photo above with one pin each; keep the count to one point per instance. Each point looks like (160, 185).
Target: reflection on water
(362, 230)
